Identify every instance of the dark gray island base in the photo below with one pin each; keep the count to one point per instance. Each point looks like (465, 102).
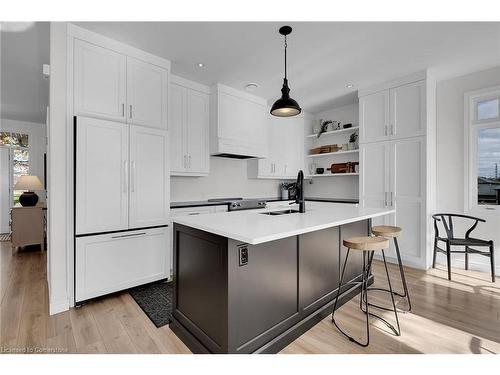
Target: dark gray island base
(223, 304)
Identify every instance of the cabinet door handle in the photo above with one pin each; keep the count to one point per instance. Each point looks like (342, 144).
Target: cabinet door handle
(123, 109)
(125, 176)
(392, 129)
(392, 199)
(189, 161)
(185, 163)
(129, 235)
(385, 199)
(132, 176)
(385, 130)
(130, 111)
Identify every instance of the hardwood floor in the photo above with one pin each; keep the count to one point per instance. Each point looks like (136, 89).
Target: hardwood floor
(458, 316)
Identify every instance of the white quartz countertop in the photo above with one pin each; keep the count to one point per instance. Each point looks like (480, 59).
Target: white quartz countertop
(252, 227)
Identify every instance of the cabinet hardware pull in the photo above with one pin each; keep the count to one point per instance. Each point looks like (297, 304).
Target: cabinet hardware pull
(385, 199)
(385, 130)
(132, 176)
(130, 110)
(392, 130)
(189, 161)
(185, 164)
(130, 235)
(123, 109)
(392, 199)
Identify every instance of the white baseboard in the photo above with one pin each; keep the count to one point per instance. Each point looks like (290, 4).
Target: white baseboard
(473, 264)
(58, 307)
(406, 262)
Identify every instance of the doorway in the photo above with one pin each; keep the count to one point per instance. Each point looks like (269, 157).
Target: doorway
(5, 189)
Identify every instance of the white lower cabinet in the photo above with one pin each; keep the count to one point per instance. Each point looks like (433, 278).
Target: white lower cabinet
(111, 262)
(393, 176)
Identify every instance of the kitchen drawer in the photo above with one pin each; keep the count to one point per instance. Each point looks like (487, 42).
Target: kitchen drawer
(111, 262)
(192, 211)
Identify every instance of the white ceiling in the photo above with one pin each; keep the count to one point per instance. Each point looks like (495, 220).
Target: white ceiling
(24, 92)
(322, 56)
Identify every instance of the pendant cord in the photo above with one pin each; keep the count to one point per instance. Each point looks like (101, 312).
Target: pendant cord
(285, 55)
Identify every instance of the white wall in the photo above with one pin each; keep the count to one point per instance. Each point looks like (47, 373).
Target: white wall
(340, 186)
(450, 157)
(57, 212)
(37, 139)
(227, 178)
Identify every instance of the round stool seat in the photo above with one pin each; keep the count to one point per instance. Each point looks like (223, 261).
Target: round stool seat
(366, 243)
(386, 231)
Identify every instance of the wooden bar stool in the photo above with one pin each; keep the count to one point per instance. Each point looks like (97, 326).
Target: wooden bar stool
(388, 231)
(368, 245)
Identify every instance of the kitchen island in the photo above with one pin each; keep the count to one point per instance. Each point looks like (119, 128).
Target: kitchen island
(252, 282)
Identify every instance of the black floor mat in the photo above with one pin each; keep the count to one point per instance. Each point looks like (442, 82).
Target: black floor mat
(155, 300)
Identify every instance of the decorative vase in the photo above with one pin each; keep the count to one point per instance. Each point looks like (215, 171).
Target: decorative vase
(28, 199)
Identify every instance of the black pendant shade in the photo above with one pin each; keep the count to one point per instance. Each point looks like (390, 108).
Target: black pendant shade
(285, 106)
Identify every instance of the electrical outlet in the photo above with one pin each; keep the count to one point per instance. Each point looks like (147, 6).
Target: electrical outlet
(243, 255)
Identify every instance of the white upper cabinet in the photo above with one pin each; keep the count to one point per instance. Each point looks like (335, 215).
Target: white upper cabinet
(99, 82)
(237, 123)
(374, 116)
(393, 113)
(197, 121)
(149, 177)
(285, 140)
(147, 88)
(101, 176)
(113, 86)
(408, 110)
(177, 129)
(189, 128)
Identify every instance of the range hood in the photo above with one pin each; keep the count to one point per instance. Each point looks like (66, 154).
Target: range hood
(238, 124)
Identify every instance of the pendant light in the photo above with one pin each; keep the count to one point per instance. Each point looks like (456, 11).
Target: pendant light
(285, 106)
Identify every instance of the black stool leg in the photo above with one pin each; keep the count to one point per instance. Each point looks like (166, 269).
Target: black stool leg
(398, 331)
(405, 294)
(492, 261)
(364, 283)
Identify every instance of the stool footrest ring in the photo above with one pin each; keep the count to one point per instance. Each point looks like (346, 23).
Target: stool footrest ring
(402, 295)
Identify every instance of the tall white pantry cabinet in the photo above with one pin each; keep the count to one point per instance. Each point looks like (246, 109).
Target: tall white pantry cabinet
(396, 133)
(121, 169)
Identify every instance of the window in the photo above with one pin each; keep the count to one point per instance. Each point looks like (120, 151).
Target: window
(482, 141)
(18, 143)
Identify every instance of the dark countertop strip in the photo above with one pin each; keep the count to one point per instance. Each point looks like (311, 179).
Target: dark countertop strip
(225, 203)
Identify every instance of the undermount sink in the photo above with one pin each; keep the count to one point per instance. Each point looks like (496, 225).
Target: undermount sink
(283, 212)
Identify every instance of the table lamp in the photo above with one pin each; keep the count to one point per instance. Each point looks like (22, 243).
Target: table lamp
(29, 183)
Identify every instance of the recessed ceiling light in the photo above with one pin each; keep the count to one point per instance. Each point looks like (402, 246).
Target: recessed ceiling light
(200, 65)
(251, 86)
(349, 85)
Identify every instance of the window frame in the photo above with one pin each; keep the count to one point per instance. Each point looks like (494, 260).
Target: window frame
(471, 128)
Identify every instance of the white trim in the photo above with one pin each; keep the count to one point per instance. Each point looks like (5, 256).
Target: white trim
(102, 41)
(411, 78)
(471, 127)
(180, 81)
(58, 307)
(473, 265)
(218, 87)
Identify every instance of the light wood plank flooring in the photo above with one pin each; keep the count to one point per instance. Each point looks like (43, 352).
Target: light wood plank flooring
(461, 316)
